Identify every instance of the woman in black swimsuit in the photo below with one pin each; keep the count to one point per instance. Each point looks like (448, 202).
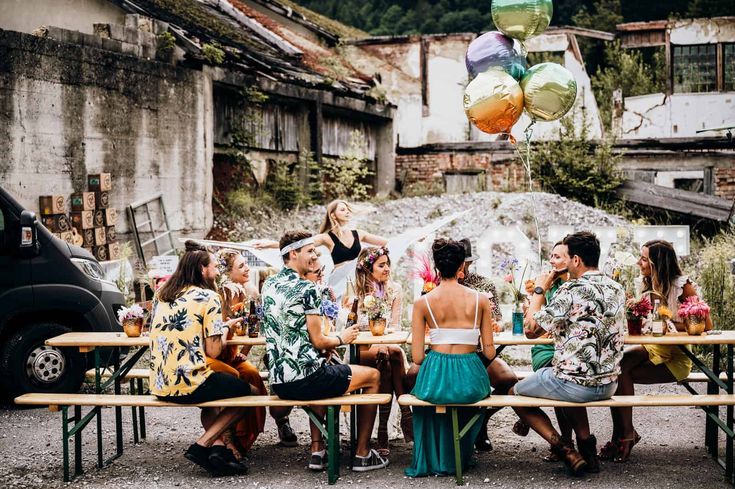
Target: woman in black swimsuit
(343, 244)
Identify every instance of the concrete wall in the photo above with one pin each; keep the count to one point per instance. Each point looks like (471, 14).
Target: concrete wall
(68, 110)
(442, 119)
(78, 15)
(680, 115)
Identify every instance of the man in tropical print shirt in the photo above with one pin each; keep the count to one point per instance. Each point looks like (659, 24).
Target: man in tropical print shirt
(292, 326)
(586, 319)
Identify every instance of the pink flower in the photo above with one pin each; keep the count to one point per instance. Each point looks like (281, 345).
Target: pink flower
(508, 278)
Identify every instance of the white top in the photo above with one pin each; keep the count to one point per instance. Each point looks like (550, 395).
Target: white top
(454, 336)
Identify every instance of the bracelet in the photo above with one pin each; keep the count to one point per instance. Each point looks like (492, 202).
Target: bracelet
(339, 338)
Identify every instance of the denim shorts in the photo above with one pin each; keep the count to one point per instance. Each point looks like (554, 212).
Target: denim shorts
(543, 383)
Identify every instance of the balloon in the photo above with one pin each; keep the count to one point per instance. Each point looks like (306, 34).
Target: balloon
(494, 49)
(521, 19)
(549, 91)
(493, 101)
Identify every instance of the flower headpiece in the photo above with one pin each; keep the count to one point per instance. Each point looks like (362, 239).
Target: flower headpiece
(372, 256)
(424, 270)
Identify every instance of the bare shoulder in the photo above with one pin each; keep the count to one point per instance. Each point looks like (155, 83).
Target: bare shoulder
(323, 239)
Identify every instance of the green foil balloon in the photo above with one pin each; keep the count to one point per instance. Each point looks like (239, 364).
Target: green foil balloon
(521, 19)
(493, 101)
(549, 91)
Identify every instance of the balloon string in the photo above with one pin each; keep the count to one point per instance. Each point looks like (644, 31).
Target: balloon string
(528, 133)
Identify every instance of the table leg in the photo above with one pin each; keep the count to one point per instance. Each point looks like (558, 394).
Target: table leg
(77, 441)
(333, 443)
(118, 409)
(98, 409)
(354, 360)
(728, 438)
(141, 411)
(134, 413)
(711, 432)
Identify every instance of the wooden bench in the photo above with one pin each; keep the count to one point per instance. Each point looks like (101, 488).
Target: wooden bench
(140, 374)
(55, 402)
(693, 377)
(659, 400)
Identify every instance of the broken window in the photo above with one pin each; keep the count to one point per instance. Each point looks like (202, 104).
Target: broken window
(695, 68)
(729, 66)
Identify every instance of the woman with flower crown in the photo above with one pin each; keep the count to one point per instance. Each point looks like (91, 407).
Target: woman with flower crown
(652, 364)
(377, 294)
(236, 294)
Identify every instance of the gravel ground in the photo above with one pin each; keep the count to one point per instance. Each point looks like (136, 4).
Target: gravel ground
(668, 456)
(395, 216)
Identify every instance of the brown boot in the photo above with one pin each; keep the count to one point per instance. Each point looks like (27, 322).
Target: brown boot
(572, 458)
(588, 449)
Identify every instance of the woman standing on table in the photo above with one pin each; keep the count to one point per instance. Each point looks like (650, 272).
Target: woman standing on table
(334, 233)
(233, 360)
(372, 277)
(451, 372)
(652, 364)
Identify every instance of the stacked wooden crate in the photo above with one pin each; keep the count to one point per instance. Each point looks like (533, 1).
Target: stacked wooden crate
(91, 223)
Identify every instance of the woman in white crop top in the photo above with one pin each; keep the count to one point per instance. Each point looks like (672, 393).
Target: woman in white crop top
(451, 372)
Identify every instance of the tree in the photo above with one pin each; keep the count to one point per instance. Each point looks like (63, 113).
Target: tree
(389, 21)
(605, 16)
(625, 69)
(710, 8)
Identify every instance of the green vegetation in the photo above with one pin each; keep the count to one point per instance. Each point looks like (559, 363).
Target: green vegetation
(572, 167)
(710, 268)
(213, 53)
(627, 70)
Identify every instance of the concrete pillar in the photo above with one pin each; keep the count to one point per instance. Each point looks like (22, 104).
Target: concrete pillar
(385, 178)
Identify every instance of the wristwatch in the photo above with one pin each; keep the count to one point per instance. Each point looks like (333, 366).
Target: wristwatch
(539, 290)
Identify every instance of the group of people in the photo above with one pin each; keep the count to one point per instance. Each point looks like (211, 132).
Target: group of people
(579, 307)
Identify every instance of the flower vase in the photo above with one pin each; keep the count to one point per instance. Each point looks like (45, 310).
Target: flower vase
(695, 325)
(377, 326)
(634, 325)
(133, 327)
(518, 320)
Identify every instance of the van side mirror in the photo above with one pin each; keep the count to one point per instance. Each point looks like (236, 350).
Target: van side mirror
(28, 234)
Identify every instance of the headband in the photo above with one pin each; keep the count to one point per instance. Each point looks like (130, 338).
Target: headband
(298, 244)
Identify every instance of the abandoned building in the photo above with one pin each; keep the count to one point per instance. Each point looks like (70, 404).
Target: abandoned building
(162, 94)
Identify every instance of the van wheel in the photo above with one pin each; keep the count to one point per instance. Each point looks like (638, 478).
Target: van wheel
(28, 365)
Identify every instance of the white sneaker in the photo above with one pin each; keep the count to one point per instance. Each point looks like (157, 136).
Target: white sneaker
(372, 462)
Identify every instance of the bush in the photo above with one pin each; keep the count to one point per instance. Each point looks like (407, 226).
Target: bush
(284, 186)
(347, 177)
(712, 273)
(572, 168)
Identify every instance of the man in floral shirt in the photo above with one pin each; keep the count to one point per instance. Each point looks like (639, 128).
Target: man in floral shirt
(292, 326)
(586, 319)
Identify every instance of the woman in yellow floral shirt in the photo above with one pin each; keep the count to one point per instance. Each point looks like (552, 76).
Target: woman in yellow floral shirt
(187, 327)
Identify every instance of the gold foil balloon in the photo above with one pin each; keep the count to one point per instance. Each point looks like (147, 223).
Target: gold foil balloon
(549, 91)
(493, 101)
(522, 19)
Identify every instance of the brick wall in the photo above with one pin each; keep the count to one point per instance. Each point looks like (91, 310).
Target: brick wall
(502, 173)
(725, 182)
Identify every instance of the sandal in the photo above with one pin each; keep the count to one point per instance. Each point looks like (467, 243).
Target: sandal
(230, 440)
(609, 451)
(625, 445)
(552, 455)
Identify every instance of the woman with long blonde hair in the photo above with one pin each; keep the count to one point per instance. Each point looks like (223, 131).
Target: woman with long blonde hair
(236, 292)
(342, 242)
(663, 279)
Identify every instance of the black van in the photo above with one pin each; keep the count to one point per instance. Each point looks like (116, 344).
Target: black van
(47, 287)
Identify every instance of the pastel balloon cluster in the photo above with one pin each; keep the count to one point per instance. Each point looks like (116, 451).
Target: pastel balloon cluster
(502, 85)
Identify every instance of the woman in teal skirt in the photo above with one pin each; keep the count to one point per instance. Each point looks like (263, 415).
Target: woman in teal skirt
(455, 318)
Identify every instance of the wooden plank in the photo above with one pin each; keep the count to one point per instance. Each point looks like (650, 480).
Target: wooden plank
(506, 338)
(140, 373)
(671, 400)
(681, 201)
(109, 400)
(367, 338)
(94, 339)
(693, 377)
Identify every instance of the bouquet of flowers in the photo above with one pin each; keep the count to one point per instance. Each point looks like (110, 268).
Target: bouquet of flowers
(422, 269)
(330, 309)
(639, 309)
(376, 307)
(694, 308)
(510, 266)
(130, 313)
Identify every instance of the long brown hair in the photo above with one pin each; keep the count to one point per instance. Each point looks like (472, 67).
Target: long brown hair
(188, 273)
(364, 283)
(664, 268)
(329, 223)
